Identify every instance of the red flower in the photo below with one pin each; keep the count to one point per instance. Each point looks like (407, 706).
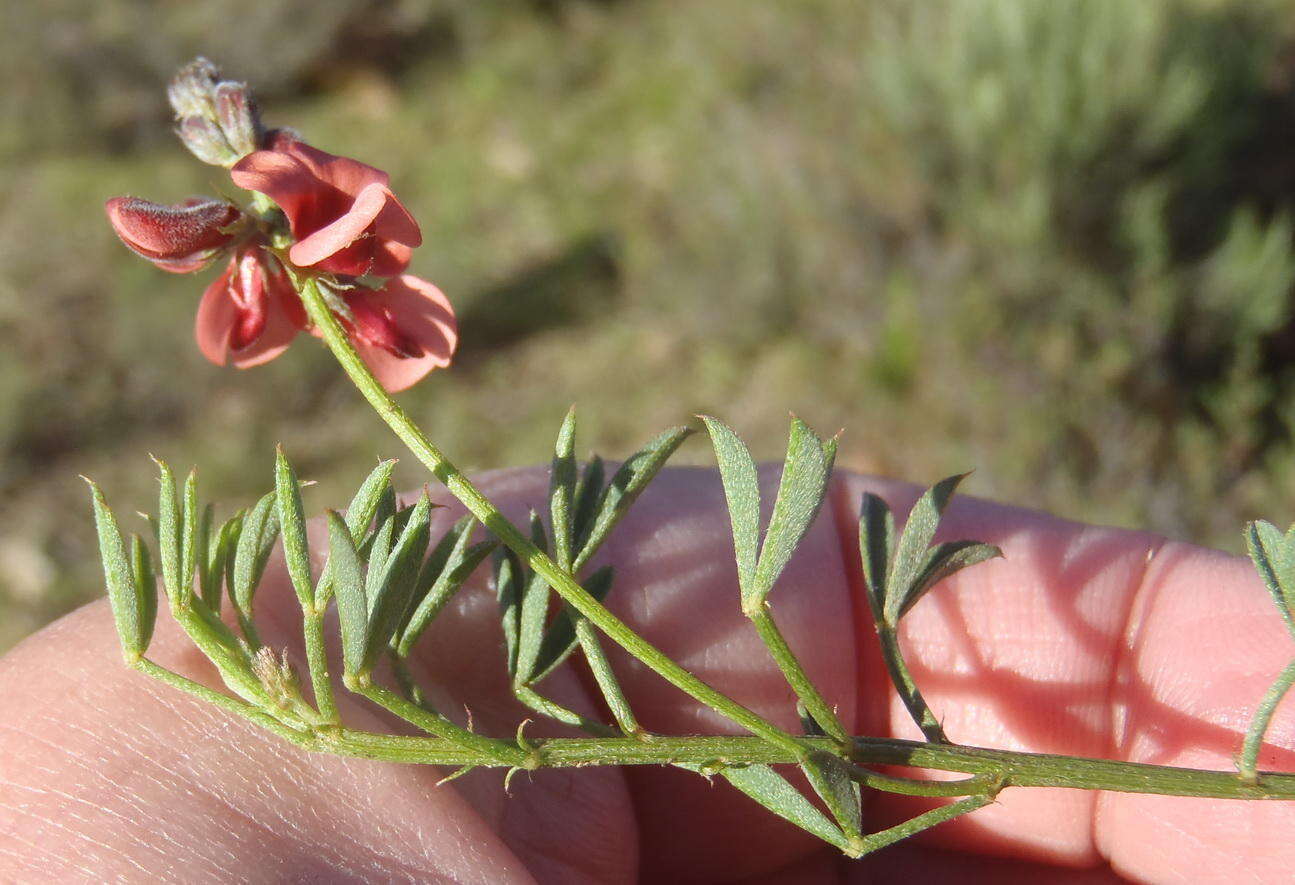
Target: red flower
(250, 313)
(403, 330)
(181, 238)
(342, 213)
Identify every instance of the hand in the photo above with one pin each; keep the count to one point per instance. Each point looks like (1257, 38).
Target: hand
(1082, 640)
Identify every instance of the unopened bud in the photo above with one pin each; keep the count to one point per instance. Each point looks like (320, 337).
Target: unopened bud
(278, 677)
(218, 119)
(190, 89)
(205, 141)
(236, 112)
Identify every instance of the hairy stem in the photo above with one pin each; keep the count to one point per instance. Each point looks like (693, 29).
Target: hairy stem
(488, 751)
(1249, 760)
(906, 686)
(317, 660)
(796, 676)
(1007, 768)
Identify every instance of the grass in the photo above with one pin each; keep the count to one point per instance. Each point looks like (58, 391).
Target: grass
(1048, 240)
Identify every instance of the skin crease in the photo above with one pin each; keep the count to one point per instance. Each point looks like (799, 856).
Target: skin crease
(1081, 640)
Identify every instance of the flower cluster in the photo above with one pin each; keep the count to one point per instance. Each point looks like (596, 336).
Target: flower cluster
(344, 227)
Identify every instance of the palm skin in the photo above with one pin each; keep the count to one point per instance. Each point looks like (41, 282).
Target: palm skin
(1081, 640)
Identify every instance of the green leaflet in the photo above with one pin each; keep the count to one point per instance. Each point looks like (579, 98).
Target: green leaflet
(805, 475)
(626, 485)
(220, 554)
(831, 779)
(256, 540)
(450, 563)
(532, 613)
(130, 608)
(560, 640)
(900, 572)
(508, 580)
(375, 550)
(348, 586)
(292, 528)
(940, 562)
(1273, 555)
(876, 541)
(359, 515)
(742, 491)
(919, 532)
(588, 493)
(145, 590)
(393, 587)
(772, 790)
(168, 527)
(189, 534)
(562, 488)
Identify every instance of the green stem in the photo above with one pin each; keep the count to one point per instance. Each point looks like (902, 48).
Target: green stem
(1005, 767)
(796, 676)
(1249, 760)
(906, 686)
(553, 710)
(479, 506)
(224, 701)
(488, 751)
(874, 841)
(608, 684)
(317, 660)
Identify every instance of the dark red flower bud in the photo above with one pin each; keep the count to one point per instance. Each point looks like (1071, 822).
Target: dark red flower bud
(180, 238)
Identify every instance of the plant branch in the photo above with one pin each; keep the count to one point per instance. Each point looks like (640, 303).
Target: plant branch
(481, 507)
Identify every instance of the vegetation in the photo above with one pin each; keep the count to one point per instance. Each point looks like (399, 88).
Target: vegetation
(1081, 212)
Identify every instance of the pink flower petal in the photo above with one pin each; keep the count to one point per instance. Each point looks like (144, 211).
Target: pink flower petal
(424, 316)
(391, 259)
(342, 232)
(343, 173)
(218, 316)
(341, 211)
(396, 224)
(280, 177)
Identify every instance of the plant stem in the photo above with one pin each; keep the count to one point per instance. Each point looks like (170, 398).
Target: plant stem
(488, 751)
(608, 684)
(906, 686)
(796, 676)
(225, 702)
(1008, 767)
(317, 660)
(490, 516)
(1249, 759)
(553, 710)
(924, 821)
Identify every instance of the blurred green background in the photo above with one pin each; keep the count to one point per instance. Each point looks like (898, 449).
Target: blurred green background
(1048, 239)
